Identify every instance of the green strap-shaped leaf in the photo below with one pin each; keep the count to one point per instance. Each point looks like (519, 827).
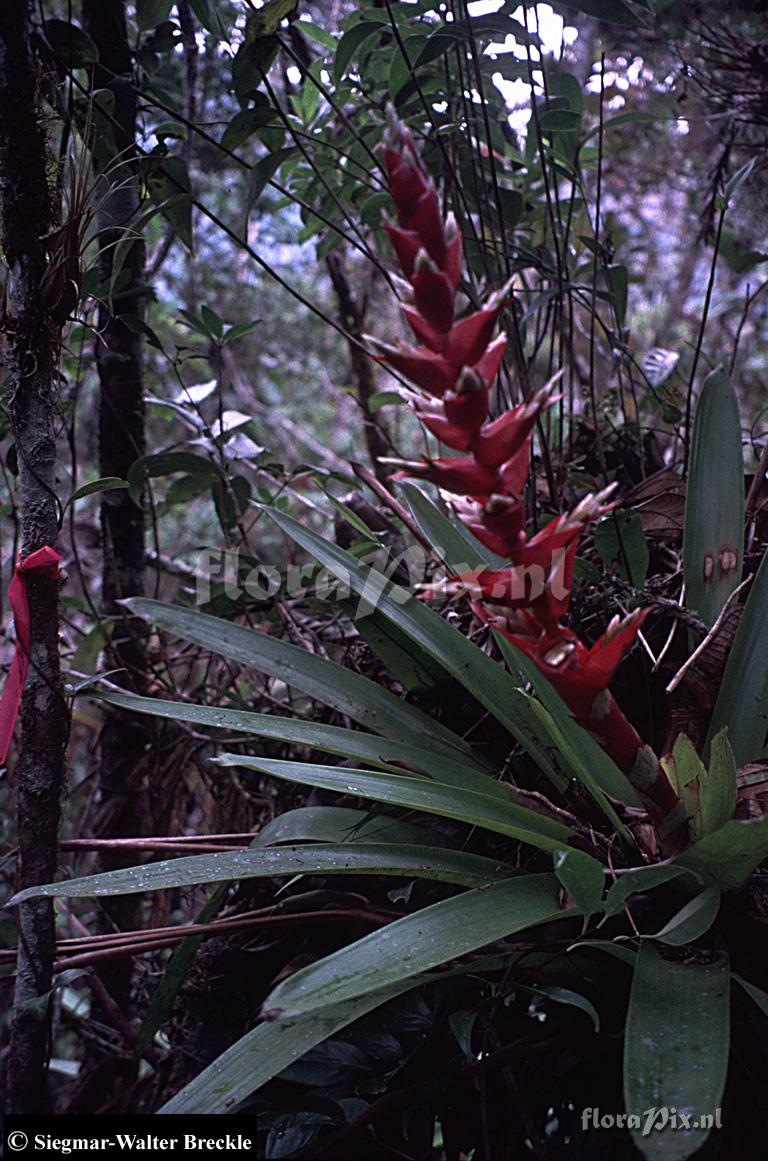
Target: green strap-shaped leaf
(742, 703)
(462, 659)
(341, 824)
(417, 943)
(676, 1046)
(325, 681)
(729, 855)
(267, 1050)
(717, 789)
(419, 794)
(452, 542)
(384, 752)
(263, 862)
(714, 507)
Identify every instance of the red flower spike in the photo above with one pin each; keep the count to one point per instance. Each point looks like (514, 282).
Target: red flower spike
(433, 293)
(457, 364)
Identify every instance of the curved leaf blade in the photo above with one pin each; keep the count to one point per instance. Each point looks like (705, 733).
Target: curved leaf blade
(675, 1049)
(417, 943)
(418, 794)
(264, 862)
(384, 752)
(325, 681)
(742, 703)
(714, 507)
(461, 658)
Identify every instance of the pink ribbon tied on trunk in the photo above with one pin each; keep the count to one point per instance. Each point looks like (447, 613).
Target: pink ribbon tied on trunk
(43, 562)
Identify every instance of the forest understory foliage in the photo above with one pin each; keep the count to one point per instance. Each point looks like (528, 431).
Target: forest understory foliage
(384, 492)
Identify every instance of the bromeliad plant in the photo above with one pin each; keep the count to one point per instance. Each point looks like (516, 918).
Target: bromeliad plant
(570, 860)
(528, 599)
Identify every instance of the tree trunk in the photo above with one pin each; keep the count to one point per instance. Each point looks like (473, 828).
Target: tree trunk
(352, 318)
(31, 325)
(120, 358)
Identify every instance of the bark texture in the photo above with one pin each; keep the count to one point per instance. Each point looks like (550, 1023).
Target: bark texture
(352, 317)
(120, 358)
(31, 336)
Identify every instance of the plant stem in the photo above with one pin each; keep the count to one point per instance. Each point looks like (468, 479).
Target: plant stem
(32, 342)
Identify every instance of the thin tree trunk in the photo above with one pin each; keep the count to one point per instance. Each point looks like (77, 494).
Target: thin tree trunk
(120, 356)
(31, 326)
(352, 318)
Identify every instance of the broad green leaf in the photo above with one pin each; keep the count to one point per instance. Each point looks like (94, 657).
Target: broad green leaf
(714, 506)
(685, 771)
(717, 785)
(263, 172)
(105, 484)
(350, 858)
(620, 538)
(417, 943)
(360, 699)
(244, 124)
(676, 1045)
(468, 806)
(413, 668)
(583, 878)
(566, 996)
(693, 920)
(351, 43)
(385, 752)
(556, 741)
(637, 882)
(477, 672)
(555, 119)
(729, 855)
(742, 703)
(167, 464)
(169, 187)
(623, 119)
(74, 48)
(314, 32)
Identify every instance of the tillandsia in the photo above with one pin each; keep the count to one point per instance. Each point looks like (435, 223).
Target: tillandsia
(452, 369)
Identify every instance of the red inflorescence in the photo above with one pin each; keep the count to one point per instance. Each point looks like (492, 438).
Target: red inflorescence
(453, 370)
